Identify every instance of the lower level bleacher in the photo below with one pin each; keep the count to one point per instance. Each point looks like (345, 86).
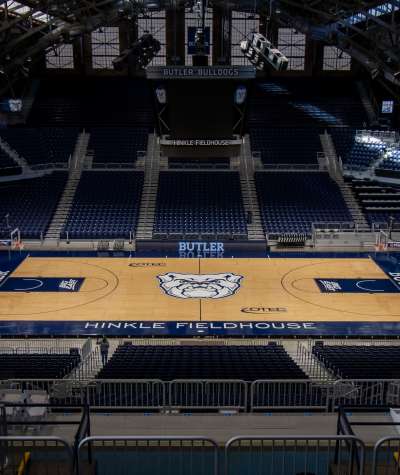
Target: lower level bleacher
(199, 203)
(291, 202)
(106, 205)
(379, 201)
(30, 204)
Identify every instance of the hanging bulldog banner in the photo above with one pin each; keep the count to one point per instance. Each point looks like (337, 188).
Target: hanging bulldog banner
(195, 286)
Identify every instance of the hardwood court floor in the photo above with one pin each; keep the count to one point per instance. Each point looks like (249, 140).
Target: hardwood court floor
(128, 289)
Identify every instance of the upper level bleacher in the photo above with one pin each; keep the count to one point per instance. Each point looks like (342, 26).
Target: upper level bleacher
(286, 145)
(290, 102)
(358, 149)
(30, 204)
(291, 202)
(42, 145)
(99, 102)
(8, 165)
(199, 203)
(117, 144)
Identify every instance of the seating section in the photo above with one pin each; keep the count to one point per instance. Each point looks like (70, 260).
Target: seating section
(94, 102)
(199, 203)
(7, 165)
(391, 160)
(291, 202)
(360, 362)
(30, 204)
(166, 363)
(37, 366)
(357, 152)
(286, 144)
(378, 201)
(106, 205)
(291, 102)
(43, 145)
(198, 163)
(117, 145)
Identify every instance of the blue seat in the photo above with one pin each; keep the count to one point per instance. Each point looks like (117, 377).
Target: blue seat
(106, 205)
(30, 204)
(198, 203)
(291, 202)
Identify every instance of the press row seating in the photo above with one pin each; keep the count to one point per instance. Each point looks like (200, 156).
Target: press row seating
(360, 362)
(291, 202)
(42, 145)
(167, 363)
(37, 366)
(199, 203)
(30, 204)
(106, 205)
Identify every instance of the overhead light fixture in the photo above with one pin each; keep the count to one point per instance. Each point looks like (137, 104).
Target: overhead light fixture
(260, 52)
(140, 54)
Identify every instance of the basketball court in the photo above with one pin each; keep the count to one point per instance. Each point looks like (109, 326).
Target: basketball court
(313, 290)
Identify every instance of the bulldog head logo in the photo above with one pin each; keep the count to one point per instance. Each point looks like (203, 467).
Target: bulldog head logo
(193, 286)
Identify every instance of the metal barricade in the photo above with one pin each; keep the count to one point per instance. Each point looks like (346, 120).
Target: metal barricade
(386, 456)
(207, 394)
(44, 455)
(159, 455)
(365, 392)
(138, 394)
(66, 392)
(286, 394)
(294, 455)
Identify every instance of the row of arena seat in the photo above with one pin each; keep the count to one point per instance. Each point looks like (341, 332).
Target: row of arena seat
(291, 202)
(37, 366)
(117, 144)
(247, 363)
(391, 160)
(7, 165)
(200, 203)
(292, 102)
(357, 152)
(88, 103)
(43, 145)
(30, 204)
(360, 362)
(106, 205)
(378, 201)
(286, 144)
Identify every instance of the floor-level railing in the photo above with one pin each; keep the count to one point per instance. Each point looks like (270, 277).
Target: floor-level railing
(261, 395)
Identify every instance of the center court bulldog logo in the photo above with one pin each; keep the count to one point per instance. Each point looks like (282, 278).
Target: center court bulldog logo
(204, 286)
